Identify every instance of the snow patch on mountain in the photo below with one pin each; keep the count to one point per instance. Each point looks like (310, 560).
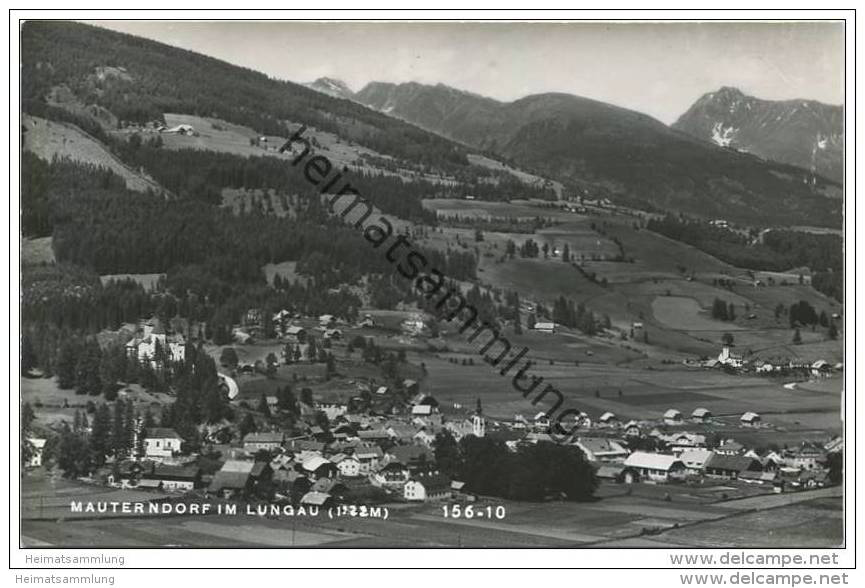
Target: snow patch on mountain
(722, 135)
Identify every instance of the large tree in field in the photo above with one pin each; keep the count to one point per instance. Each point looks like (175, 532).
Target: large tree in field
(100, 434)
(228, 357)
(247, 425)
(74, 456)
(67, 360)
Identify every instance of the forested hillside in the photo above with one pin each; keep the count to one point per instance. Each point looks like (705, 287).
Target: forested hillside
(138, 80)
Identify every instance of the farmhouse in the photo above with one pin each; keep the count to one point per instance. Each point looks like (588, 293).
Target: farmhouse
(811, 479)
(730, 447)
(422, 409)
(601, 449)
(632, 429)
(234, 479)
(414, 457)
(729, 467)
(653, 467)
(420, 398)
(542, 422)
(701, 415)
(318, 467)
(413, 325)
(821, 368)
(37, 446)
(180, 130)
(369, 457)
(545, 327)
(750, 419)
(427, 488)
(673, 417)
(806, 457)
(695, 459)
(334, 334)
(295, 334)
(175, 478)
(393, 475)
(160, 442)
(683, 441)
(254, 442)
(242, 337)
(608, 418)
(348, 465)
(613, 472)
(754, 477)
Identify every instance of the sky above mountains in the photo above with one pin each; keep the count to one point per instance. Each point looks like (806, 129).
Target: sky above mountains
(656, 68)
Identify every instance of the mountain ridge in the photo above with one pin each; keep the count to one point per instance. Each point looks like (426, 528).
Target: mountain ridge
(608, 149)
(800, 132)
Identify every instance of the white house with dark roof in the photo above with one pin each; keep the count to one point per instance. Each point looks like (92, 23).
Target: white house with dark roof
(680, 442)
(348, 465)
(161, 442)
(653, 467)
(427, 488)
(369, 456)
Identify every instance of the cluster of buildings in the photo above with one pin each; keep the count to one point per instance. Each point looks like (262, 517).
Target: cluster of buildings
(366, 457)
(736, 361)
(360, 458)
(802, 467)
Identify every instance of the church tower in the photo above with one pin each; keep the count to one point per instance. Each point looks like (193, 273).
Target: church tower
(479, 424)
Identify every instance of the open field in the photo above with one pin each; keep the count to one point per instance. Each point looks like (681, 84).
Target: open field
(678, 312)
(634, 392)
(525, 177)
(541, 280)
(49, 139)
(665, 284)
(214, 134)
(816, 523)
(521, 209)
(694, 515)
(53, 404)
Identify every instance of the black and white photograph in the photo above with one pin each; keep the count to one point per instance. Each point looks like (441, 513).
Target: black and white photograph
(427, 284)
